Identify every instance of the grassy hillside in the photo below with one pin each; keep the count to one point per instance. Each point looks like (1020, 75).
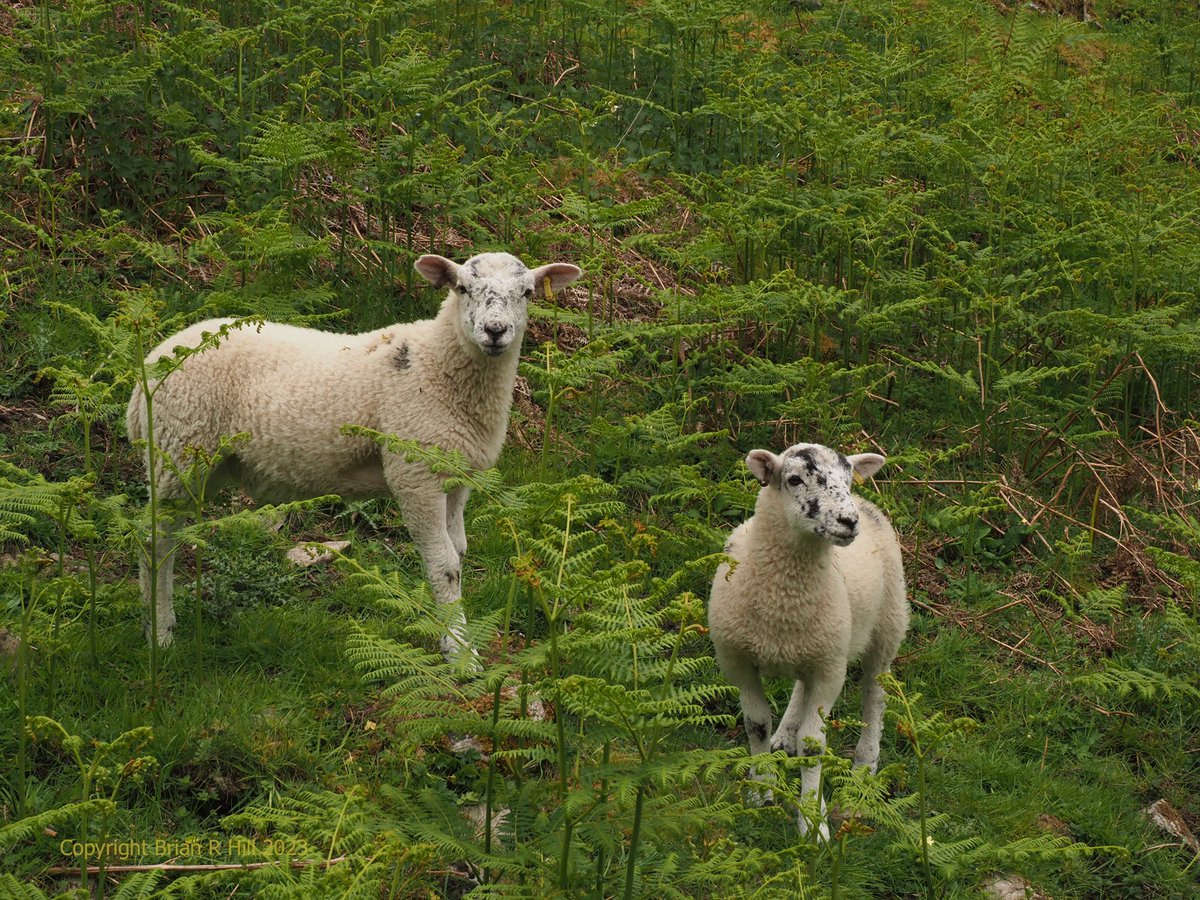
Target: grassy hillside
(962, 235)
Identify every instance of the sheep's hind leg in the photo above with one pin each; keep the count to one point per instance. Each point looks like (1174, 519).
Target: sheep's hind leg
(866, 752)
(424, 510)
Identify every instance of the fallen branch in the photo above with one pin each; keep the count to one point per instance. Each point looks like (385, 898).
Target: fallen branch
(197, 867)
(1029, 656)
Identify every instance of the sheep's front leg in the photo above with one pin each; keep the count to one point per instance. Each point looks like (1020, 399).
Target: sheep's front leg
(157, 590)
(756, 712)
(424, 509)
(822, 690)
(456, 502)
(786, 736)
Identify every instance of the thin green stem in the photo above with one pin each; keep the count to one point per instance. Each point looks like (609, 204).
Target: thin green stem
(602, 797)
(924, 813)
(634, 840)
(90, 547)
(151, 470)
(563, 771)
(835, 874)
(23, 693)
(552, 618)
(489, 792)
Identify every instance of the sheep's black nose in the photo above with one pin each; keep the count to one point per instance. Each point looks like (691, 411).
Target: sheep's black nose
(495, 332)
(848, 522)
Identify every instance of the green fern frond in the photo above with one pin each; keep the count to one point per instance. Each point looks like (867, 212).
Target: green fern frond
(17, 890)
(1104, 604)
(34, 826)
(139, 885)
(408, 671)
(290, 144)
(1146, 684)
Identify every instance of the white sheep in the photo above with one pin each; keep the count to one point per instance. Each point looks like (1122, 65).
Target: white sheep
(445, 382)
(818, 583)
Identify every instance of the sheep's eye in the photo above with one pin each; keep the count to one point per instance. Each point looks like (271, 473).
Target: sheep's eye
(528, 293)
(464, 289)
(794, 480)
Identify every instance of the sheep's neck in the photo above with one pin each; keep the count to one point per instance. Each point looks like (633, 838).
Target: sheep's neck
(477, 378)
(796, 556)
(775, 531)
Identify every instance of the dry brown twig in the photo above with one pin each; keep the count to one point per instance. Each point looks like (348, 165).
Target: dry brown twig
(198, 867)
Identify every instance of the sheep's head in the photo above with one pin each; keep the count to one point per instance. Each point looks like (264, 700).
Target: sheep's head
(493, 291)
(814, 483)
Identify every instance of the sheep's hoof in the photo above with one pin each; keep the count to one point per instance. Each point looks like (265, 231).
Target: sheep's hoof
(786, 743)
(466, 744)
(165, 634)
(872, 766)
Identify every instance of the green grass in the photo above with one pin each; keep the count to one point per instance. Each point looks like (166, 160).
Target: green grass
(963, 236)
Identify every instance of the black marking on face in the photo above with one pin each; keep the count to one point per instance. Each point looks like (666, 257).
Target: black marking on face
(822, 481)
(759, 730)
(451, 576)
(814, 508)
(400, 357)
(810, 459)
(845, 463)
(473, 267)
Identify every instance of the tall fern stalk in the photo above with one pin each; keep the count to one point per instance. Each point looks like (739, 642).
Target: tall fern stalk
(552, 618)
(635, 839)
(90, 546)
(27, 601)
(911, 730)
(505, 632)
(143, 380)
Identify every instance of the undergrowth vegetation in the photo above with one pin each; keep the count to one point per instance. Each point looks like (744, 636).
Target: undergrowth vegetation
(961, 235)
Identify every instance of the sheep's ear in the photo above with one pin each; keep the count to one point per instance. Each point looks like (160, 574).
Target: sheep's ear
(867, 464)
(560, 275)
(437, 270)
(763, 465)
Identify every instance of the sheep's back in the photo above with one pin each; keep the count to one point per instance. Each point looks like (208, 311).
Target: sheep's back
(291, 389)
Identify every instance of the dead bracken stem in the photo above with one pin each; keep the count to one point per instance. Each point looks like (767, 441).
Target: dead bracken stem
(198, 867)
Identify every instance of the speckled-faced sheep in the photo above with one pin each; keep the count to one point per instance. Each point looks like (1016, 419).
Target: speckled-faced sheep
(446, 382)
(818, 583)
